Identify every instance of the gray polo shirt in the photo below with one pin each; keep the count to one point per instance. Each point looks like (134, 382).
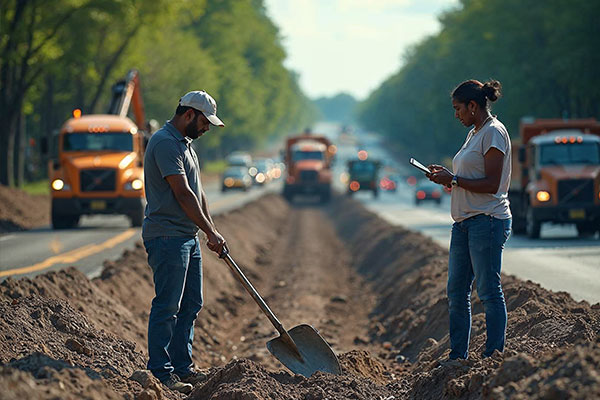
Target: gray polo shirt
(168, 153)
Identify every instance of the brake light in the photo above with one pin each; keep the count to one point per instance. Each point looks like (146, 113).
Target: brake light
(354, 186)
(421, 195)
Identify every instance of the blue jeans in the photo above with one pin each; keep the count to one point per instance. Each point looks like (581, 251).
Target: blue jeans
(177, 266)
(476, 253)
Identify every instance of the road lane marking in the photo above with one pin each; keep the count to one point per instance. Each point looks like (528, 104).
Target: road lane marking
(7, 237)
(73, 255)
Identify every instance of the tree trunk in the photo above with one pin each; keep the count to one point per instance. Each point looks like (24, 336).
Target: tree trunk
(20, 152)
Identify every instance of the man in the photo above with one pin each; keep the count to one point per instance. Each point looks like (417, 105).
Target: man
(176, 208)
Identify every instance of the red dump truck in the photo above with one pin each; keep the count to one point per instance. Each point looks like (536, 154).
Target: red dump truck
(556, 175)
(308, 161)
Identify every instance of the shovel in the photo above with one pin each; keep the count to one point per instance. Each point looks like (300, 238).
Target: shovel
(301, 349)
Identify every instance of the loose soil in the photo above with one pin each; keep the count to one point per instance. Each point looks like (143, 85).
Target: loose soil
(20, 211)
(375, 292)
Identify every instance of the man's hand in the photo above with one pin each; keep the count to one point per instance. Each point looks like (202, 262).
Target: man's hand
(216, 242)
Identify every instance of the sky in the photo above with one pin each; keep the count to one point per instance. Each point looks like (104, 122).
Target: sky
(351, 46)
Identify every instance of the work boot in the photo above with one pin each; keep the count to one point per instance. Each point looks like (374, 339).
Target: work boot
(175, 384)
(194, 377)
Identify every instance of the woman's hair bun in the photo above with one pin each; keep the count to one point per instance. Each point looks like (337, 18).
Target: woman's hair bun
(492, 89)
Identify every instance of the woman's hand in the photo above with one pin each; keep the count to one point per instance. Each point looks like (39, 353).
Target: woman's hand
(440, 175)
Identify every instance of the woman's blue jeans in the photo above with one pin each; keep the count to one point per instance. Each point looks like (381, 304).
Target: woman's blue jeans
(476, 253)
(177, 266)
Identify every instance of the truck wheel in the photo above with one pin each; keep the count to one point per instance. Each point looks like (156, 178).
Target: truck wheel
(137, 218)
(64, 221)
(287, 194)
(586, 229)
(519, 225)
(325, 196)
(532, 226)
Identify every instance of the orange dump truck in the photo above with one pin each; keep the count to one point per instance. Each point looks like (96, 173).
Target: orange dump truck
(99, 167)
(308, 161)
(556, 175)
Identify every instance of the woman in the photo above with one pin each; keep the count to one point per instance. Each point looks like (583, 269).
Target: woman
(481, 212)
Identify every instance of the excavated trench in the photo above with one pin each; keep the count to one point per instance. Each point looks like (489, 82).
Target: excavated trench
(374, 291)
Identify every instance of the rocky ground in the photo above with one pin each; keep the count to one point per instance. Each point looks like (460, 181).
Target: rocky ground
(375, 292)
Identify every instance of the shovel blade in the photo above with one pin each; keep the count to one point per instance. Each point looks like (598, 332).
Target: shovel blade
(316, 353)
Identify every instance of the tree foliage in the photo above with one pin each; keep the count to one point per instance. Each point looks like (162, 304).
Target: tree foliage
(58, 55)
(545, 54)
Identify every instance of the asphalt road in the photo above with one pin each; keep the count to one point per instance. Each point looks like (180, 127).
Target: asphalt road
(97, 238)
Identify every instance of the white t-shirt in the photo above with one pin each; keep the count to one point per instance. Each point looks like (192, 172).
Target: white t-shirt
(469, 163)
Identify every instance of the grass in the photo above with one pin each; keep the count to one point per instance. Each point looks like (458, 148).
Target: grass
(41, 187)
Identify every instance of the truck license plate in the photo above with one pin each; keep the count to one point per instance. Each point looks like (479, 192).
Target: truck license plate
(577, 214)
(98, 205)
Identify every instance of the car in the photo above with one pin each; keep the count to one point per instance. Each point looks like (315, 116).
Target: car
(428, 191)
(236, 178)
(264, 170)
(239, 159)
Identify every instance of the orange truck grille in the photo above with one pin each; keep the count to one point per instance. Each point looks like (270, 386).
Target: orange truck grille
(576, 191)
(98, 180)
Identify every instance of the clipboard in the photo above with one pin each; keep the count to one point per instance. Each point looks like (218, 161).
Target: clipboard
(419, 166)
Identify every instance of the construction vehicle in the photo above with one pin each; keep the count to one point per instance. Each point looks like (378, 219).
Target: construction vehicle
(556, 175)
(98, 169)
(363, 175)
(308, 159)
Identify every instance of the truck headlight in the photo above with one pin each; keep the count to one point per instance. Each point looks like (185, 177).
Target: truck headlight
(542, 195)
(135, 184)
(59, 184)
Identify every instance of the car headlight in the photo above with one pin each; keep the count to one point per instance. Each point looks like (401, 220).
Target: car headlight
(136, 184)
(59, 184)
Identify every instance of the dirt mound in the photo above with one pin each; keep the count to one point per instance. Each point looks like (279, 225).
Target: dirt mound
(375, 292)
(247, 380)
(409, 272)
(38, 334)
(20, 211)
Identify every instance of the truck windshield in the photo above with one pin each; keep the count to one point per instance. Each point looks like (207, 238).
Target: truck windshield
(307, 155)
(115, 141)
(568, 154)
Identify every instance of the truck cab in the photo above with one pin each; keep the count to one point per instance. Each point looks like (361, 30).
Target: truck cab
(308, 160)
(557, 177)
(99, 167)
(98, 171)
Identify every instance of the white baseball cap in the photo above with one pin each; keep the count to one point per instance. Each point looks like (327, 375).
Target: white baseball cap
(202, 101)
